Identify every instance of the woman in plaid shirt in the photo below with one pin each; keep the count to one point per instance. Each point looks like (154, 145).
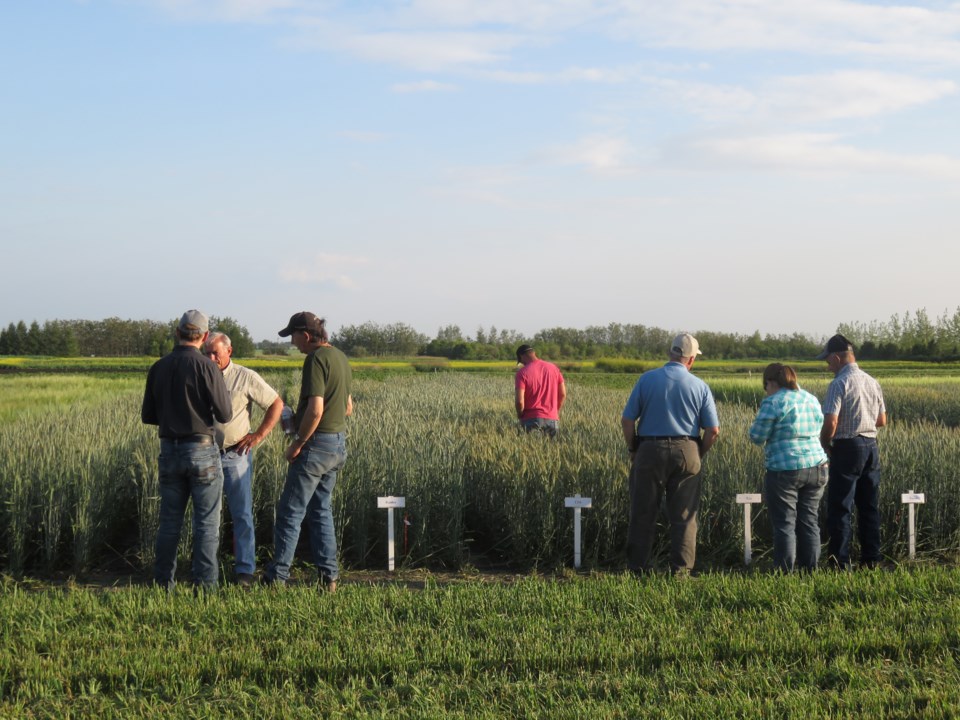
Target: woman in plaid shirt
(788, 426)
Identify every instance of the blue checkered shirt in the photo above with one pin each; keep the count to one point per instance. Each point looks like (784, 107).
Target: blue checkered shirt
(788, 426)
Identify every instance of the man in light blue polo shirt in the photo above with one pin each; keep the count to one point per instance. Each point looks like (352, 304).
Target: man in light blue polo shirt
(661, 424)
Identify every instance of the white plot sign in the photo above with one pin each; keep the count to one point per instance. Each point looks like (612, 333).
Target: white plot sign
(747, 499)
(577, 503)
(910, 499)
(390, 502)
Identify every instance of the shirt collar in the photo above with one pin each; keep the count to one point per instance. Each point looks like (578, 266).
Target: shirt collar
(848, 368)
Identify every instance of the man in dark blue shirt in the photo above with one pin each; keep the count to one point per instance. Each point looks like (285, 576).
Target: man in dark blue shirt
(185, 393)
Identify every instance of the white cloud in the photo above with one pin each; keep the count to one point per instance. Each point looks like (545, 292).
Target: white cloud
(610, 76)
(713, 102)
(595, 152)
(843, 94)
(427, 51)
(852, 94)
(422, 86)
(547, 15)
(805, 26)
(322, 268)
(458, 35)
(818, 152)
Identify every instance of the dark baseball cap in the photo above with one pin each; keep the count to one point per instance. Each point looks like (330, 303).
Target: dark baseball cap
(303, 320)
(523, 350)
(838, 343)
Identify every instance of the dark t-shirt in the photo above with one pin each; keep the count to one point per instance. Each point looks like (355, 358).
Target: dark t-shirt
(326, 374)
(185, 393)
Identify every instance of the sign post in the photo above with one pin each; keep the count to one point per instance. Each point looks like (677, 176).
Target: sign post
(390, 502)
(911, 498)
(747, 499)
(577, 503)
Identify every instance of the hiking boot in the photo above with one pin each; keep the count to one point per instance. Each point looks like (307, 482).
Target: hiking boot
(327, 585)
(246, 580)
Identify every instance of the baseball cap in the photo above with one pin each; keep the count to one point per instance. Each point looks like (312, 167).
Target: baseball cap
(303, 320)
(522, 350)
(194, 321)
(838, 343)
(685, 345)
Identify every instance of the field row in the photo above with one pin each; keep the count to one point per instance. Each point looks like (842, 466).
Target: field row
(79, 489)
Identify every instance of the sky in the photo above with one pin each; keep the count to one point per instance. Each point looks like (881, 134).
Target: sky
(727, 165)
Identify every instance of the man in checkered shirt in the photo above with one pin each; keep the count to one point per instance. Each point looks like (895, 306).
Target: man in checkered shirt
(852, 411)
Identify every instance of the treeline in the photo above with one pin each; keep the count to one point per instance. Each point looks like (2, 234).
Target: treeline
(112, 337)
(907, 337)
(613, 340)
(911, 336)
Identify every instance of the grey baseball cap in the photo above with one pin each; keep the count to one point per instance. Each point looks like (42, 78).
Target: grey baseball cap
(194, 321)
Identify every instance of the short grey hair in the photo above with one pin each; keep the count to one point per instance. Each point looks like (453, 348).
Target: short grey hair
(218, 337)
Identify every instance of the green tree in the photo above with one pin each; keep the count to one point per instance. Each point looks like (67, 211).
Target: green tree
(243, 345)
(8, 337)
(373, 339)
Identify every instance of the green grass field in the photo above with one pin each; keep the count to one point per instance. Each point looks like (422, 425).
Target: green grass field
(875, 644)
(78, 499)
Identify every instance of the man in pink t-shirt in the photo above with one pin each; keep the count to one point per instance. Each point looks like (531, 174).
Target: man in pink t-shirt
(540, 392)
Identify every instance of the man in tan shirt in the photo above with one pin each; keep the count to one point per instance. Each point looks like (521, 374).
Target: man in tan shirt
(237, 442)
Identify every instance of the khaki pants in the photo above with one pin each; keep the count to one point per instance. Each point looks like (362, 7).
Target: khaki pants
(670, 466)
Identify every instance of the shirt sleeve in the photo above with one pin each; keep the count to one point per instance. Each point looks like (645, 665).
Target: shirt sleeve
(148, 411)
(762, 427)
(632, 409)
(708, 412)
(219, 396)
(260, 392)
(833, 400)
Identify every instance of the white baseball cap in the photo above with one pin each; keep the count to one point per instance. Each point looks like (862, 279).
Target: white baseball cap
(685, 345)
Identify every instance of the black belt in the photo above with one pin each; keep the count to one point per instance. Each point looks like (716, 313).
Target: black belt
(190, 439)
(858, 437)
(669, 437)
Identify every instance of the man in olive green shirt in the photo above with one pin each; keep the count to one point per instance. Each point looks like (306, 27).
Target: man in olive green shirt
(317, 452)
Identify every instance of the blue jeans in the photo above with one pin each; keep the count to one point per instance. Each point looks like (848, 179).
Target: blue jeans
(189, 471)
(854, 482)
(307, 492)
(793, 498)
(237, 482)
(547, 427)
